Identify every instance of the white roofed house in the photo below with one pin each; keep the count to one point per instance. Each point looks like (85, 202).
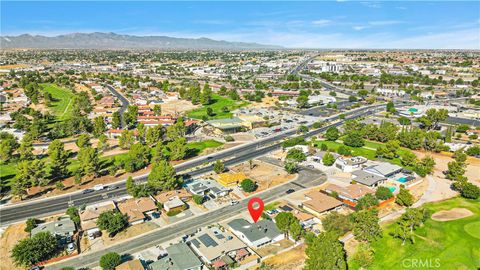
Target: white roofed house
(257, 234)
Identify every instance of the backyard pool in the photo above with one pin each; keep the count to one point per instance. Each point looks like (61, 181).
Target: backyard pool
(402, 180)
(392, 189)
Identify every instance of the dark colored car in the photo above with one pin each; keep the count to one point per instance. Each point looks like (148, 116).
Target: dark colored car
(112, 187)
(290, 191)
(86, 191)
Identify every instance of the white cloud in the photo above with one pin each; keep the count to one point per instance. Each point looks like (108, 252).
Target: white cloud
(383, 23)
(360, 27)
(321, 22)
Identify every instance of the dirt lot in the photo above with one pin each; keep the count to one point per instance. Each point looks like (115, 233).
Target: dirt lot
(130, 232)
(452, 214)
(442, 160)
(266, 175)
(292, 259)
(274, 248)
(177, 106)
(9, 238)
(266, 102)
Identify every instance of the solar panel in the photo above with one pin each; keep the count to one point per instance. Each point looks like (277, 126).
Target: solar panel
(195, 242)
(207, 240)
(219, 236)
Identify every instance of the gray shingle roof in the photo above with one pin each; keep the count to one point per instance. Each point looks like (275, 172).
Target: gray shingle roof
(263, 228)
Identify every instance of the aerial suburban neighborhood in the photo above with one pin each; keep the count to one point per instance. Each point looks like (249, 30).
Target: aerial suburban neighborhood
(145, 152)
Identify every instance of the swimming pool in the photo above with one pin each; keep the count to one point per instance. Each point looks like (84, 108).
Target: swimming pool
(392, 189)
(402, 180)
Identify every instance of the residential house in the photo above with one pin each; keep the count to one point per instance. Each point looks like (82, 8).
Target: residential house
(349, 194)
(63, 229)
(349, 164)
(319, 203)
(384, 169)
(180, 257)
(367, 179)
(137, 209)
(207, 187)
(318, 156)
(88, 217)
(306, 220)
(258, 234)
(211, 244)
(174, 199)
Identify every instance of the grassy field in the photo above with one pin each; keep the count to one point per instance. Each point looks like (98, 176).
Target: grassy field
(200, 146)
(449, 245)
(218, 103)
(365, 151)
(61, 105)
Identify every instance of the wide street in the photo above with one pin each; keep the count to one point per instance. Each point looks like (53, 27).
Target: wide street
(306, 178)
(58, 204)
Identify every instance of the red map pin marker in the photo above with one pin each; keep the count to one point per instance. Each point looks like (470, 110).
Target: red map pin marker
(255, 207)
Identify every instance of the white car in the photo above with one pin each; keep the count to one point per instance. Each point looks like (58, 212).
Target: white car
(98, 187)
(70, 248)
(233, 202)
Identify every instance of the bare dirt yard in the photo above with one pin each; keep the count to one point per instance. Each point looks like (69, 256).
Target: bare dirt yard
(176, 107)
(452, 214)
(130, 232)
(289, 260)
(9, 238)
(266, 175)
(274, 248)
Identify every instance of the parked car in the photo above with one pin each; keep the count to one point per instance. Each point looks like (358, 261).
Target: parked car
(233, 202)
(98, 187)
(88, 190)
(70, 248)
(112, 187)
(290, 191)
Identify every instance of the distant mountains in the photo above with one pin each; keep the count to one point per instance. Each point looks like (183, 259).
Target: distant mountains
(116, 41)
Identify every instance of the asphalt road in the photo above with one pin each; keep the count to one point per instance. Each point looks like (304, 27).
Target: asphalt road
(58, 204)
(122, 99)
(307, 178)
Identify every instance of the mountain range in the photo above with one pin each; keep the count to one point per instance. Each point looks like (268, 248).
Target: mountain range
(99, 40)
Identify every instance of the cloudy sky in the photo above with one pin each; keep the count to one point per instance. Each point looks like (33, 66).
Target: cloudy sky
(336, 24)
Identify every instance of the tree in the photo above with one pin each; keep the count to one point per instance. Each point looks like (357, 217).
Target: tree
(72, 212)
(154, 135)
(248, 185)
(404, 198)
(210, 112)
(102, 142)
(218, 167)
(336, 222)
(8, 145)
(89, 162)
(177, 148)
(354, 139)
(302, 101)
(332, 134)
(366, 202)
(408, 222)
(325, 252)
(176, 130)
(364, 255)
(198, 199)
(110, 260)
(408, 158)
(424, 166)
(112, 221)
(130, 116)
(126, 139)
(469, 190)
(42, 246)
(328, 159)
(391, 107)
(83, 141)
(404, 121)
(26, 149)
(383, 193)
(58, 159)
(116, 120)
(455, 171)
(365, 225)
(206, 96)
(291, 167)
(99, 126)
(342, 150)
(296, 155)
(296, 230)
(138, 157)
(157, 109)
(30, 224)
(163, 177)
(284, 220)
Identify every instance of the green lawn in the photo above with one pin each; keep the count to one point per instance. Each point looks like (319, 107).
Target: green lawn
(452, 244)
(61, 105)
(200, 146)
(365, 151)
(218, 103)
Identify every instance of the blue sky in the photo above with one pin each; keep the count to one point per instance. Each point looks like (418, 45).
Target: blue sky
(339, 24)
